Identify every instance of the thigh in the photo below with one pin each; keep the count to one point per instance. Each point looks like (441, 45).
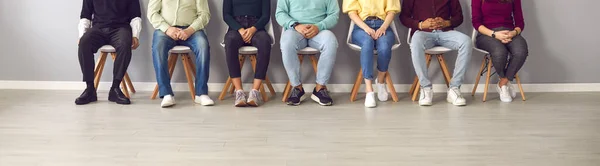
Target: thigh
(197, 41)
(160, 41)
(491, 45)
(94, 38)
(387, 40)
(121, 38)
(453, 39)
(291, 38)
(360, 37)
(518, 46)
(422, 39)
(232, 36)
(324, 40)
(261, 38)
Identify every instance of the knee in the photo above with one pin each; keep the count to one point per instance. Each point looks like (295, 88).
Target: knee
(232, 36)
(465, 41)
(289, 40)
(330, 41)
(418, 41)
(262, 39)
(201, 40)
(366, 43)
(499, 52)
(521, 54)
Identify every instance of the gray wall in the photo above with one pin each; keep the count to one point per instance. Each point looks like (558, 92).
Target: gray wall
(39, 44)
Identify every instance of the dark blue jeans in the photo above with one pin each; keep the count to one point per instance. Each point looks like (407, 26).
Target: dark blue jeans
(161, 44)
(383, 45)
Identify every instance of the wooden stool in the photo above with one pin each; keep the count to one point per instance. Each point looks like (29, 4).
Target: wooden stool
(439, 53)
(126, 84)
(311, 53)
(188, 65)
(487, 63)
(251, 53)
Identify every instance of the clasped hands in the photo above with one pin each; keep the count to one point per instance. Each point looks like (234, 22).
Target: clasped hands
(180, 34)
(505, 36)
(437, 23)
(307, 30)
(247, 34)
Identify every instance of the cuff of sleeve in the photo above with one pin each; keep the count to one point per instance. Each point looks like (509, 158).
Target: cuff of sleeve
(197, 26)
(321, 26)
(164, 27)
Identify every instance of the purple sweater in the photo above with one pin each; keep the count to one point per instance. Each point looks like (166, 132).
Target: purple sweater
(493, 14)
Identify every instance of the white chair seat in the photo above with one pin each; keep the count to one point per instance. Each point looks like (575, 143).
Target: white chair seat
(437, 50)
(181, 50)
(108, 49)
(308, 51)
(248, 50)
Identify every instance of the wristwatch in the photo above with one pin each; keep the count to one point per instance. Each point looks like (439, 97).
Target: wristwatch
(494, 34)
(295, 24)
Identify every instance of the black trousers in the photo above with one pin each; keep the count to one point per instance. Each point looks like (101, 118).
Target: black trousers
(234, 41)
(93, 39)
(517, 49)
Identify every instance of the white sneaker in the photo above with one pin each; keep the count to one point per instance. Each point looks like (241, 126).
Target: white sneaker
(426, 97)
(254, 99)
(511, 89)
(455, 97)
(240, 99)
(370, 100)
(382, 92)
(168, 101)
(204, 100)
(504, 93)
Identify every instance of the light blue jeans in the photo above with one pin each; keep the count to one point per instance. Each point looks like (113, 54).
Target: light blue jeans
(383, 45)
(451, 39)
(161, 44)
(292, 41)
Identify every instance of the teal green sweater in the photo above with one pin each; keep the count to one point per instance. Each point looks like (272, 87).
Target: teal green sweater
(323, 13)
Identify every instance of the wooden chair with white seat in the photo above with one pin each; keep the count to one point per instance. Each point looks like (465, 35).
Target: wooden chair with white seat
(312, 55)
(126, 84)
(250, 52)
(486, 67)
(359, 77)
(188, 66)
(439, 52)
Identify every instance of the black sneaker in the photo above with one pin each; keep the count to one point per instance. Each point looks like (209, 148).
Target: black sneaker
(322, 97)
(296, 96)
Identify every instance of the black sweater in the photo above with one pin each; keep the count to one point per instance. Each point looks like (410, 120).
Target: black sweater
(258, 8)
(110, 13)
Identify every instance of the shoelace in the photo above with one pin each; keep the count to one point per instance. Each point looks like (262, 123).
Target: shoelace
(254, 94)
(295, 93)
(240, 95)
(457, 92)
(324, 93)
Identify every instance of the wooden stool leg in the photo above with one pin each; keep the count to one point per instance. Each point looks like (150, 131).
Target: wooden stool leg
(225, 88)
(124, 89)
(314, 62)
(286, 92)
(478, 77)
(356, 87)
(416, 92)
(487, 79)
(129, 83)
(520, 87)
(413, 86)
(171, 62)
(100, 68)
(444, 68)
(269, 85)
(188, 75)
(98, 62)
(390, 85)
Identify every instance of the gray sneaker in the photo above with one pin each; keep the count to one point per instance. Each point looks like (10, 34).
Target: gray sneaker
(240, 98)
(254, 98)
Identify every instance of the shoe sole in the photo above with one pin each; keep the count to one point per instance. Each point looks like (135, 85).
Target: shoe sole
(252, 104)
(167, 106)
(122, 103)
(425, 104)
(241, 105)
(456, 104)
(316, 99)
(93, 100)
(297, 104)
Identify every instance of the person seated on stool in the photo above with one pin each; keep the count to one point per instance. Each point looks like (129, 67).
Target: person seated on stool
(247, 20)
(307, 23)
(500, 23)
(180, 23)
(115, 23)
(372, 31)
(436, 28)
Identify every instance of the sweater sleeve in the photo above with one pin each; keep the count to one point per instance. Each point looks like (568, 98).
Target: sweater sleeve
(282, 14)
(518, 15)
(265, 15)
(456, 17)
(87, 10)
(333, 14)
(406, 15)
(228, 15)
(203, 13)
(477, 16)
(154, 16)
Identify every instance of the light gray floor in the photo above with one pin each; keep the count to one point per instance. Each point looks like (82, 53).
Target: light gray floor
(46, 128)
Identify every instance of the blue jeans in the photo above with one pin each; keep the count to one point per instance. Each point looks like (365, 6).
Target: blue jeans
(451, 39)
(383, 45)
(292, 41)
(161, 44)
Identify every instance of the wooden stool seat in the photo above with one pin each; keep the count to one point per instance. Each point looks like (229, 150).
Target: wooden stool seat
(313, 59)
(188, 66)
(126, 84)
(251, 53)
